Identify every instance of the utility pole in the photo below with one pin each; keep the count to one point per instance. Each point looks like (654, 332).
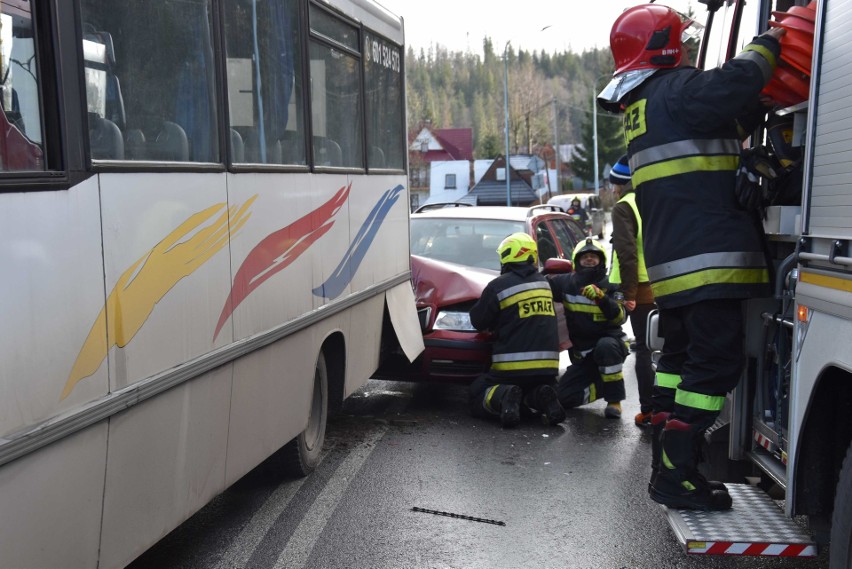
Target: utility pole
(556, 146)
(506, 113)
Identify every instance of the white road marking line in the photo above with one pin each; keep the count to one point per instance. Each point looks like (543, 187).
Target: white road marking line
(243, 546)
(302, 542)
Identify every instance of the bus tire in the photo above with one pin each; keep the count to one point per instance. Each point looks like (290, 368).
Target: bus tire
(840, 551)
(302, 454)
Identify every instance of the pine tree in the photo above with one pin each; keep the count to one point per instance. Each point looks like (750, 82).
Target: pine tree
(610, 146)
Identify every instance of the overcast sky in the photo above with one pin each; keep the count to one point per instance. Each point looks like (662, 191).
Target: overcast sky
(460, 25)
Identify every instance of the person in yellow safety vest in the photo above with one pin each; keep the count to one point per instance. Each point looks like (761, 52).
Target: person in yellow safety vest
(594, 315)
(518, 308)
(704, 255)
(629, 272)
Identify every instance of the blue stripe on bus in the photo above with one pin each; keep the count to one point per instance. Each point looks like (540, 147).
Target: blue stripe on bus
(342, 275)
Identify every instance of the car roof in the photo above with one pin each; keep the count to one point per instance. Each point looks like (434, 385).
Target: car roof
(490, 212)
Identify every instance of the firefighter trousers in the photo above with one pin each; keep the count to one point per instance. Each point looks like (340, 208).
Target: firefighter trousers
(642, 365)
(483, 401)
(594, 374)
(701, 361)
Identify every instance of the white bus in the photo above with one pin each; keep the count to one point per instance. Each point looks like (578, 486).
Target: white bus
(204, 235)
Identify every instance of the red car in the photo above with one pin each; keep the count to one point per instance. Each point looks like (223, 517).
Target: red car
(454, 255)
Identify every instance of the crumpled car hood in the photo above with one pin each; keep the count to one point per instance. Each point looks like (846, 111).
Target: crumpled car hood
(438, 283)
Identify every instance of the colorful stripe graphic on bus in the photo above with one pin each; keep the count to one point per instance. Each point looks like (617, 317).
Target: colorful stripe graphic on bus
(277, 250)
(342, 275)
(149, 279)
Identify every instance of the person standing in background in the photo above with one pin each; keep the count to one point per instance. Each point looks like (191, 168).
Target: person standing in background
(629, 272)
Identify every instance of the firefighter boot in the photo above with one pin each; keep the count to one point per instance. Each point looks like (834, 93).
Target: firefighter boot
(658, 422)
(678, 484)
(545, 400)
(643, 419)
(612, 410)
(510, 407)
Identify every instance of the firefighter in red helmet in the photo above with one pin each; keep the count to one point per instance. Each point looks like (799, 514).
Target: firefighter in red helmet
(704, 253)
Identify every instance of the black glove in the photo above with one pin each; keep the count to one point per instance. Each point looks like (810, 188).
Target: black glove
(755, 164)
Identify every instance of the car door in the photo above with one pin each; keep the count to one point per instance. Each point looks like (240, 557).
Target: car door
(555, 239)
(566, 233)
(546, 241)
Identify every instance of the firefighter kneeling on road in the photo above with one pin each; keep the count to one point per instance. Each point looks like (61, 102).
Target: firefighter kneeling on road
(594, 315)
(517, 307)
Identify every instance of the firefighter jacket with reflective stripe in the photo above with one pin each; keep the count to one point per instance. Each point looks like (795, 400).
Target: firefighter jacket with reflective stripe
(588, 320)
(517, 307)
(683, 135)
(581, 216)
(628, 253)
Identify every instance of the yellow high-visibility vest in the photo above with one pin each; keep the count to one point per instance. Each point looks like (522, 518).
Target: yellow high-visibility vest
(615, 271)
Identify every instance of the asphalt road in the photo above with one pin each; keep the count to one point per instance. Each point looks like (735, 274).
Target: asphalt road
(572, 496)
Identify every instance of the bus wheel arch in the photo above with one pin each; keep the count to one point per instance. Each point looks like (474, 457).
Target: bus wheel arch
(302, 454)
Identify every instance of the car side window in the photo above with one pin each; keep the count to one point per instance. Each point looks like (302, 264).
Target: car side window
(568, 234)
(546, 243)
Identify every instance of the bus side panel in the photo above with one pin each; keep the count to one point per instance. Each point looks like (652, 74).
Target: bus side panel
(167, 266)
(380, 203)
(275, 252)
(362, 346)
(53, 290)
(51, 504)
(166, 460)
(271, 396)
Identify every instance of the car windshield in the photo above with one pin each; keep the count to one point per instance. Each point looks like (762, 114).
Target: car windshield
(470, 242)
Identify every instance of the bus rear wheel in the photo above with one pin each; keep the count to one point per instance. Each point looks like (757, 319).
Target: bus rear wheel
(840, 552)
(302, 454)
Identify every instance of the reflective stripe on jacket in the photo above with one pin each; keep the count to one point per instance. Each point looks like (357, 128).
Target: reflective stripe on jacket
(518, 308)
(588, 321)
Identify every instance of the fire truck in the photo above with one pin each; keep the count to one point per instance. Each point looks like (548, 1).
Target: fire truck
(787, 427)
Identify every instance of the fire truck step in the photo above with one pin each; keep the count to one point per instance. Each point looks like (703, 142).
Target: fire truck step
(755, 525)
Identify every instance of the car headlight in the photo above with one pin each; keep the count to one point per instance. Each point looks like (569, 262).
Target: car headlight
(453, 320)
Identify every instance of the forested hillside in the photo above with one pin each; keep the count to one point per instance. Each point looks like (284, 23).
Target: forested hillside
(456, 89)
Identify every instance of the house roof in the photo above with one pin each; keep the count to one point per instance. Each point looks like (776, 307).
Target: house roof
(443, 143)
(492, 192)
(458, 142)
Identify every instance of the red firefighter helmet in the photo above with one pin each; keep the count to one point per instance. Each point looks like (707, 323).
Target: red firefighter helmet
(647, 36)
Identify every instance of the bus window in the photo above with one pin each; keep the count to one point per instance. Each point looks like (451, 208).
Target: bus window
(265, 91)
(21, 120)
(150, 80)
(335, 92)
(384, 103)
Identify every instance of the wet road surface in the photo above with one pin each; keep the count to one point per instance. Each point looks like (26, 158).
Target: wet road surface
(569, 496)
